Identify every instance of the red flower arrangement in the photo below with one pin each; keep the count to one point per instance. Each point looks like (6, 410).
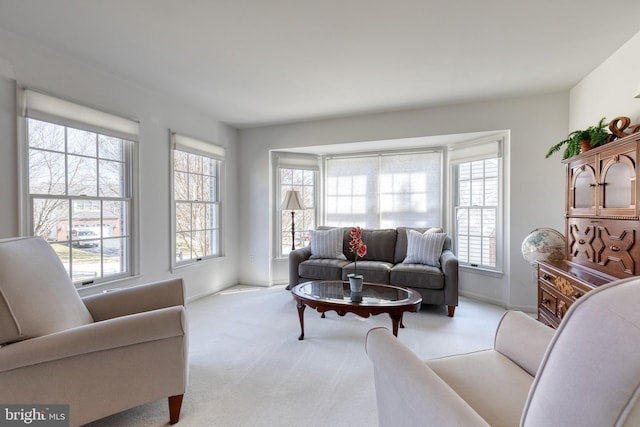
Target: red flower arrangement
(357, 247)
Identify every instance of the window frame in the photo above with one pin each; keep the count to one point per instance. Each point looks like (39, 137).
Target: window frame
(38, 105)
(198, 147)
(296, 161)
(278, 202)
(479, 151)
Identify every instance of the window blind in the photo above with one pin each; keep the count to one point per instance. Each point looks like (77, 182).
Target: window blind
(40, 106)
(196, 146)
(297, 161)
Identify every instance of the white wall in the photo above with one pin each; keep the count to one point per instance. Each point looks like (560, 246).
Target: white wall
(608, 91)
(535, 195)
(40, 68)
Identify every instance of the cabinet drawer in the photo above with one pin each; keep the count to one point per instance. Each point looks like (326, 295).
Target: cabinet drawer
(547, 319)
(548, 302)
(564, 284)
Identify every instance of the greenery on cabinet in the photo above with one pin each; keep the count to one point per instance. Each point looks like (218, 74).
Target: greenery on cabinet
(595, 135)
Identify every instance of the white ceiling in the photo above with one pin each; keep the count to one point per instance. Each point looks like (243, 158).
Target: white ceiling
(257, 62)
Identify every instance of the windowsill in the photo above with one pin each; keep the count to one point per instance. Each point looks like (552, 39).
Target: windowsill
(482, 271)
(91, 289)
(196, 263)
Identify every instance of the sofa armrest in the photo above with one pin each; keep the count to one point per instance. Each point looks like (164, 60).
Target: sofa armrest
(136, 299)
(295, 258)
(119, 332)
(522, 339)
(449, 265)
(408, 392)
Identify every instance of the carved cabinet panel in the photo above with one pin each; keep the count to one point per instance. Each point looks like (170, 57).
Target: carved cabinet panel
(609, 246)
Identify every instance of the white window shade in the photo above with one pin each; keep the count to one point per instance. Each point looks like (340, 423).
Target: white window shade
(476, 150)
(385, 191)
(40, 106)
(297, 161)
(196, 146)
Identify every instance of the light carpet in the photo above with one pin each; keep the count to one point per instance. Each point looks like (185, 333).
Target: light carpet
(247, 367)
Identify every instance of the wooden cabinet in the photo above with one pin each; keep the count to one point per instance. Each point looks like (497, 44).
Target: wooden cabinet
(560, 284)
(602, 227)
(602, 182)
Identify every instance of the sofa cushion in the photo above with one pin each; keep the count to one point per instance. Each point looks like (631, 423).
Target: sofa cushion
(37, 296)
(372, 271)
(424, 248)
(416, 276)
(322, 269)
(401, 241)
(327, 243)
(381, 245)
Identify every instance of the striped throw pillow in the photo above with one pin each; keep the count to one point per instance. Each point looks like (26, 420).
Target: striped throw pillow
(424, 248)
(327, 243)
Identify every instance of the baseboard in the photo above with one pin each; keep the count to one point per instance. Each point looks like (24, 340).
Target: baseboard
(260, 283)
(484, 298)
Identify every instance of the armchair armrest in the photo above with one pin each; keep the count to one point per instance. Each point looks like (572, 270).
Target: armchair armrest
(522, 339)
(295, 258)
(114, 333)
(136, 299)
(408, 392)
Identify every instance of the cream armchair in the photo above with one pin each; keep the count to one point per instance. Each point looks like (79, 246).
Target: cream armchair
(586, 374)
(101, 354)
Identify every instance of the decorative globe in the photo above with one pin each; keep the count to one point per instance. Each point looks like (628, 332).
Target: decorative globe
(543, 244)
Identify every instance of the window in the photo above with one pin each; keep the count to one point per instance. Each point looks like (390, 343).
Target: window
(197, 171)
(79, 185)
(304, 181)
(477, 210)
(385, 191)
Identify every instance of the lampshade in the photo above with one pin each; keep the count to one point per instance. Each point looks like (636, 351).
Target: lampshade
(292, 201)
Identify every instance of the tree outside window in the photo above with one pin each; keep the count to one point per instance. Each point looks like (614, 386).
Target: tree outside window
(197, 206)
(302, 180)
(79, 198)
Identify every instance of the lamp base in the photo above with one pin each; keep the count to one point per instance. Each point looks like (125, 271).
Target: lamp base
(293, 231)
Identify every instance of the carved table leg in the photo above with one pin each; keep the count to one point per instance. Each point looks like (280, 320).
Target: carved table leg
(396, 319)
(402, 320)
(301, 308)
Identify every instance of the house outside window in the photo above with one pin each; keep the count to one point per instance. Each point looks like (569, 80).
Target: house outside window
(79, 186)
(197, 171)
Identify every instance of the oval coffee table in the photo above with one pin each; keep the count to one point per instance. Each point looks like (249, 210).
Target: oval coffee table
(325, 295)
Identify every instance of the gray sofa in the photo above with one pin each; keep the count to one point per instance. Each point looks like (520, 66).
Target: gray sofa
(383, 263)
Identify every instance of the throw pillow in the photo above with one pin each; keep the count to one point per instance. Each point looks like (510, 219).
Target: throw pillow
(424, 248)
(327, 243)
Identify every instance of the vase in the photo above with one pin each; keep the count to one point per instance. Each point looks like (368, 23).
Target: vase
(585, 145)
(355, 285)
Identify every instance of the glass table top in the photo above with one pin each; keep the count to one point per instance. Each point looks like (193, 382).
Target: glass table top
(372, 294)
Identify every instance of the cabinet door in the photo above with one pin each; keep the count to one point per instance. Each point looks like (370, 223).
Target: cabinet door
(617, 185)
(582, 191)
(610, 246)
